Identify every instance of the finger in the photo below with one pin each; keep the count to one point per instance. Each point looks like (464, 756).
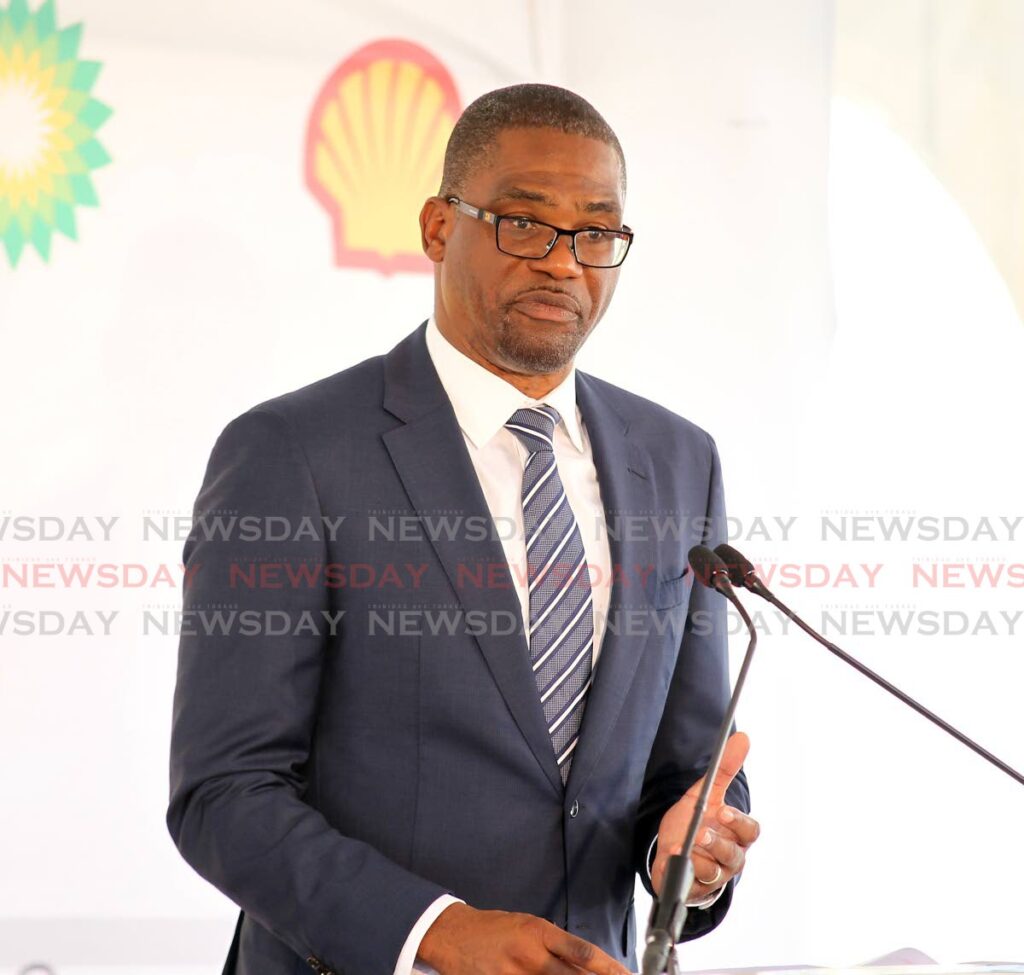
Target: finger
(704, 865)
(555, 966)
(660, 867)
(711, 830)
(660, 864)
(576, 951)
(735, 754)
(707, 878)
(723, 850)
(704, 837)
(712, 820)
(708, 873)
(745, 829)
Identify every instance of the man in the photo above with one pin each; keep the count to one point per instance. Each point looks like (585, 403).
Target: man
(377, 786)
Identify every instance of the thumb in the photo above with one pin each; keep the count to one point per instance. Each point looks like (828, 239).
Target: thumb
(733, 757)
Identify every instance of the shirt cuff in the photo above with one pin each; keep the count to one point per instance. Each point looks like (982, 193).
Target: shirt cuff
(408, 961)
(702, 905)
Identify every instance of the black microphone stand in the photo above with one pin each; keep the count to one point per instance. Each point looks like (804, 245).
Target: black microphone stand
(742, 573)
(669, 911)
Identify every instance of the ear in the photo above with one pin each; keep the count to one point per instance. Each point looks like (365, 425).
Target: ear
(434, 227)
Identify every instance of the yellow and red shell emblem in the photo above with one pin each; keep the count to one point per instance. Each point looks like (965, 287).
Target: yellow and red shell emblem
(375, 151)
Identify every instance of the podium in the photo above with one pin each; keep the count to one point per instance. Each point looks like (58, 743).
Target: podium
(906, 961)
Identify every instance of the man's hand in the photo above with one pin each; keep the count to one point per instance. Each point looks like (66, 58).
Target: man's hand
(465, 941)
(725, 833)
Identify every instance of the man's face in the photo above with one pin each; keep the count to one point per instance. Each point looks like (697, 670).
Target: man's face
(530, 316)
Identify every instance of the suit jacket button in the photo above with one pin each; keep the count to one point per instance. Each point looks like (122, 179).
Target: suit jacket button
(574, 809)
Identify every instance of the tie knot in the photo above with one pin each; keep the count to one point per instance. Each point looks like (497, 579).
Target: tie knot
(535, 426)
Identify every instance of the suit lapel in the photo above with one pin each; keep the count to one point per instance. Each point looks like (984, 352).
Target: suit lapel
(430, 455)
(625, 477)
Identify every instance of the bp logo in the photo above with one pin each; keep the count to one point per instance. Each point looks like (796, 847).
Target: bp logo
(375, 144)
(48, 123)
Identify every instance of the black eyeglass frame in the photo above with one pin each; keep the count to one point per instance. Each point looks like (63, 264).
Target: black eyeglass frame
(494, 218)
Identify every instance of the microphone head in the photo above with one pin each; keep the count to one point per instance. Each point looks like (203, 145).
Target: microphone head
(708, 568)
(736, 562)
(742, 572)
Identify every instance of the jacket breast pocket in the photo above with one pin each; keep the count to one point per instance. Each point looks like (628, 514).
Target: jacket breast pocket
(671, 592)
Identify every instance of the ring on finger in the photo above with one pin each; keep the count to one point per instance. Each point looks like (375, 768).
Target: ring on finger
(715, 879)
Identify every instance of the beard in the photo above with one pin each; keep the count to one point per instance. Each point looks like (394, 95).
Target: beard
(533, 349)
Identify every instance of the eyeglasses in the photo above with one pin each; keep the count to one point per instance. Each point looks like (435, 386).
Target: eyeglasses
(529, 238)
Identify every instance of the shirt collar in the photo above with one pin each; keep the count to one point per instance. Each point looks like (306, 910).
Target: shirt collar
(483, 402)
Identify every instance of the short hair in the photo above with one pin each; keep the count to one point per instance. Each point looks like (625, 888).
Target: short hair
(532, 106)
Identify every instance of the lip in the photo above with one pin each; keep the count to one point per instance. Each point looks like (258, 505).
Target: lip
(547, 306)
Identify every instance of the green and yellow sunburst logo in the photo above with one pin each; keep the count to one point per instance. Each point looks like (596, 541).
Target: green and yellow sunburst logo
(48, 123)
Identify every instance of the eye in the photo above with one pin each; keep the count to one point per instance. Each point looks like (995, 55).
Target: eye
(521, 223)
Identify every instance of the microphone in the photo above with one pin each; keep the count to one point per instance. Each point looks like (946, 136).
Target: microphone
(711, 571)
(742, 573)
(669, 911)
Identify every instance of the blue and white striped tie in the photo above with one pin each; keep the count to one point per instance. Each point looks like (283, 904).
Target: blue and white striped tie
(561, 601)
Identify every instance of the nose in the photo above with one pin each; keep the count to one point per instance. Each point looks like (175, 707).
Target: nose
(560, 262)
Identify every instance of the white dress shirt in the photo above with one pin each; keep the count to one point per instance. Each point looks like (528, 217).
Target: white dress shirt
(483, 402)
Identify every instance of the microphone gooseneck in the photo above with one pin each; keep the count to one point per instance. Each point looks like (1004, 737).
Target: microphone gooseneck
(741, 572)
(669, 910)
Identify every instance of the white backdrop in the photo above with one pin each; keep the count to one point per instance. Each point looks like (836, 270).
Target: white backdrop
(205, 275)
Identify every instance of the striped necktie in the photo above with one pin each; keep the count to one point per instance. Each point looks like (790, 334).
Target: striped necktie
(561, 601)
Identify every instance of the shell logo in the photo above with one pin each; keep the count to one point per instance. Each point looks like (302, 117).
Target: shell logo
(375, 146)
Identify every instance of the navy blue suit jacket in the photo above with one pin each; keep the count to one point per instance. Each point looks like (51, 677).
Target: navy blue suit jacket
(333, 780)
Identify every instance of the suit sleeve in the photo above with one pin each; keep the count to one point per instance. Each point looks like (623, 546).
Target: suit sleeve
(697, 701)
(245, 707)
